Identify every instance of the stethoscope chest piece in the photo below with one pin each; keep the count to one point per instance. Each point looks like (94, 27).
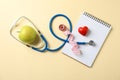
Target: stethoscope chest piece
(24, 31)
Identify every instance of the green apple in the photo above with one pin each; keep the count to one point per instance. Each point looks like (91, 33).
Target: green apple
(27, 34)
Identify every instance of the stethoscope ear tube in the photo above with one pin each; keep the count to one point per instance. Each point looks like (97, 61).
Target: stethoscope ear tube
(17, 26)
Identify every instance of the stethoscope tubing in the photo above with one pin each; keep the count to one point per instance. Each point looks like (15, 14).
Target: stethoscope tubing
(46, 47)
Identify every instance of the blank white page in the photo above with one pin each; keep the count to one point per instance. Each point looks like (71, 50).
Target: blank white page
(98, 31)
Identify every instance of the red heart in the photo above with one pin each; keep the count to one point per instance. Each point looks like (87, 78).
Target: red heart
(83, 30)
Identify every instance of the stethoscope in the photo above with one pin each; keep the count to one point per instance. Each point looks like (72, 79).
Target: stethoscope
(46, 46)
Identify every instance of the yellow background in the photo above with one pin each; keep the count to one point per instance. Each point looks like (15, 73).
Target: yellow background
(18, 62)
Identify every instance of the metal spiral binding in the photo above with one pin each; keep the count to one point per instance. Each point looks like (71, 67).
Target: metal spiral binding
(97, 19)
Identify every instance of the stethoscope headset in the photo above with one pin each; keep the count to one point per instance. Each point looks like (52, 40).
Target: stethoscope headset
(44, 46)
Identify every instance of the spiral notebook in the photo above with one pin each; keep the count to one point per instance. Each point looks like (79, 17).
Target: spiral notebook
(98, 32)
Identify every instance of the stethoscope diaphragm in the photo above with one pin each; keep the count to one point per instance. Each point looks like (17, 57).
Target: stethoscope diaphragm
(24, 31)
